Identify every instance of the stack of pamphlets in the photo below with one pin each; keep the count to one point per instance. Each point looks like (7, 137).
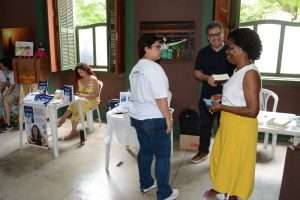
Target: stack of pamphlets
(278, 122)
(43, 99)
(220, 78)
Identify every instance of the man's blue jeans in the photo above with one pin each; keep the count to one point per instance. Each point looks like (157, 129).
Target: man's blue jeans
(154, 141)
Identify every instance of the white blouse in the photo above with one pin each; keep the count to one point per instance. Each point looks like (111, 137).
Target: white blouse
(148, 82)
(233, 93)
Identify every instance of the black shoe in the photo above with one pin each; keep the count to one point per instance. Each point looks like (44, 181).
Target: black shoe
(82, 137)
(3, 126)
(8, 128)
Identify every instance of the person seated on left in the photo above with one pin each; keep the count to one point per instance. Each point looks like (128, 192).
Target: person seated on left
(88, 90)
(2, 88)
(11, 91)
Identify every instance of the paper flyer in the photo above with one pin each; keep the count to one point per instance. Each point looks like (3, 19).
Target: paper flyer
(43, 99)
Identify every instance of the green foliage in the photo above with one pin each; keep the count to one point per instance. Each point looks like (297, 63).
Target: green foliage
(262, 8)
(14, 119)
(258, 10)
(291, 6)
(90, 12)
(290, 3)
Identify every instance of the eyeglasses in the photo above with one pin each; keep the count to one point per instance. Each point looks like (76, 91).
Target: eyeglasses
(158, 46)
(214, 34)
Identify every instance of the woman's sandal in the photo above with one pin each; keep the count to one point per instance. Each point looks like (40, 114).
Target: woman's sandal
(82, 137)
(210, 194)
(232, 197)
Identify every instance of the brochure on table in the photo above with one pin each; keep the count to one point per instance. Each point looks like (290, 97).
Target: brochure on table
(43, 87)
(69, 93)
(37, 98)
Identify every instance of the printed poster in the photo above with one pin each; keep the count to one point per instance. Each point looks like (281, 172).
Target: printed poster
(36, 125)
(24, 48)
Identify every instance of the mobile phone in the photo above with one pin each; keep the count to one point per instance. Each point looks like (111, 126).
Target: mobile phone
(208, 102)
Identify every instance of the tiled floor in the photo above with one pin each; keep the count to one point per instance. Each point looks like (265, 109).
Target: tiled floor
(79, 174)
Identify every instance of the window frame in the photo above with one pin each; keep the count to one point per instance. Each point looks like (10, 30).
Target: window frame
(115, 13)
(283, 25)
(93, 26)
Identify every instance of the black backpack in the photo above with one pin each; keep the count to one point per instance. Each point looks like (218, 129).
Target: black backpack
(189, 122)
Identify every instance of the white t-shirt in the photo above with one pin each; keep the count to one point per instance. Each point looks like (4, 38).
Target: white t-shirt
(233, 93)
(2, 77)
(148, 82)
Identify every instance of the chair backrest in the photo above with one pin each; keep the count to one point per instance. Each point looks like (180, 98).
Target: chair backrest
(100, 89)
(264, 97)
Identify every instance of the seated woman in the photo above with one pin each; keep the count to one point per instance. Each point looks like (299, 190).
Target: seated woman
(88, 89)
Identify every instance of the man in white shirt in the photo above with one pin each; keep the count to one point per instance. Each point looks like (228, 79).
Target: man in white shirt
(151, 118)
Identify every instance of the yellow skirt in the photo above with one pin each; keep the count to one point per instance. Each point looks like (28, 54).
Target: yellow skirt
(86, 105)
(233, 157)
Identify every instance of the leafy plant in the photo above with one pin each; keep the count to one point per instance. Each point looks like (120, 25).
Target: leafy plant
(14, 119)
(291, 6)
(89, 12)
(261, 9)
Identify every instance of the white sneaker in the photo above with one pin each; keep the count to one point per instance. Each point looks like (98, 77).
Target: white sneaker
(173, 196)
(150, 188)
(221, 196)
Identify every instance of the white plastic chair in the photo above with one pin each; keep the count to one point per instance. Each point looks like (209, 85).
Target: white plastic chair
(89, 114)
(265, 95)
